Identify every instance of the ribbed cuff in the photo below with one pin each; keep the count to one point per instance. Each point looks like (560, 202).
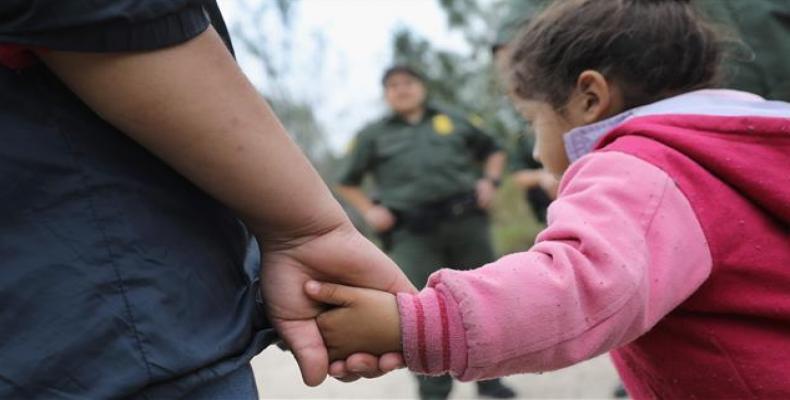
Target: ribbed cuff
(432, 332)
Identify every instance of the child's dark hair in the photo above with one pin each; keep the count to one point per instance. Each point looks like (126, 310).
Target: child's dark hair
(650, 48)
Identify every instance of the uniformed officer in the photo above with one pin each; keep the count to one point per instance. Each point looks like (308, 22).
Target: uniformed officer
(435, 174)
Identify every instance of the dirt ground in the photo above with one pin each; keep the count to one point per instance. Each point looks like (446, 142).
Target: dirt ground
(278, 378)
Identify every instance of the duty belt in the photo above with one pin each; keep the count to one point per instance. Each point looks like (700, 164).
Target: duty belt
(426, 217)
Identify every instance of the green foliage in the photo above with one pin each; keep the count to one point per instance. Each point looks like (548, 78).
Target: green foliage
(264, 32)
(458, 11)
(514, 226)
(304, 128)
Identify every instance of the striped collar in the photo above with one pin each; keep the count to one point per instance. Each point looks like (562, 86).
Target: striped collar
(723, 102)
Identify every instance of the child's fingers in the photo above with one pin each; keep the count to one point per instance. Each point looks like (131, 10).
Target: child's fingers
(330, 293)
(337, 370)
(391, 361)
(364, 365)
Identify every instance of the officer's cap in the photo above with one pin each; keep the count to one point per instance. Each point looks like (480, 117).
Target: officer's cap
(401, 69)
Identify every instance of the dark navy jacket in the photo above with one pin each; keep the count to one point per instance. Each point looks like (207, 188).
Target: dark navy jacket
(118, 277)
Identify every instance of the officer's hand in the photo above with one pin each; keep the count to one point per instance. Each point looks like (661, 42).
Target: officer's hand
(380, 218)
(485, 193)
(526, 179)
(339, 255)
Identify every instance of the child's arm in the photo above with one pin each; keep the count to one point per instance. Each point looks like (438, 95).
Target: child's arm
(623, 248)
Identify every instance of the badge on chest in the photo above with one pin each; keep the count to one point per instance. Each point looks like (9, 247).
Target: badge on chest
(443, 125)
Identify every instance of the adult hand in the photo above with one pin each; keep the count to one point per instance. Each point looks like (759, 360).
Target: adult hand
(485, 191)
(339, 255)
(380, 218)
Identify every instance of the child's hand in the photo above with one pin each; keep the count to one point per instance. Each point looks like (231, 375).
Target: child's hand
(364, 320)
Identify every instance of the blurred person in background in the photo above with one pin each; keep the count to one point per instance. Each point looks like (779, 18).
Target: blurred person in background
(435, 175)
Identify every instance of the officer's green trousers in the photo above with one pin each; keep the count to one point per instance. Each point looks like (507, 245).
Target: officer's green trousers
(459, 243)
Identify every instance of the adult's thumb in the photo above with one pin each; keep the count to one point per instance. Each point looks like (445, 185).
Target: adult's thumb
(307, 346)
(329, 293)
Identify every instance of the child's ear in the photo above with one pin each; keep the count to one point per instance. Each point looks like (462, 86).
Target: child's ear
(598, 97)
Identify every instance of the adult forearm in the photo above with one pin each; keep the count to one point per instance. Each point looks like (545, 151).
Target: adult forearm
(191, 106)
(527, 178)
(494, 165)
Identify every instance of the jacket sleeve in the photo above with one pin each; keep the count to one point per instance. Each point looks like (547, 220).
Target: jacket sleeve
(623, 248)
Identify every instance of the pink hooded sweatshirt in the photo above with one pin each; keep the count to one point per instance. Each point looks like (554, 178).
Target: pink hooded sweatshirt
(669, 246)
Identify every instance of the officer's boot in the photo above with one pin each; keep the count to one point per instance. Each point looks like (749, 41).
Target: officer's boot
(435, 387)
(494, 389)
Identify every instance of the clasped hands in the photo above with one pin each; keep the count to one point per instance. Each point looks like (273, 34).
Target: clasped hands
(324, 322)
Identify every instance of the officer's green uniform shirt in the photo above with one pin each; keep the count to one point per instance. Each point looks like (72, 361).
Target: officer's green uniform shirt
(412, 165)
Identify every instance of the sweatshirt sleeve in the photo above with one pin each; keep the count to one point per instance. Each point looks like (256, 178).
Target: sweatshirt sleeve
(623, 248)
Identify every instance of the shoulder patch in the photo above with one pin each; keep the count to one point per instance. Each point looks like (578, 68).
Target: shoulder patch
(443, 125)
(475, 120)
